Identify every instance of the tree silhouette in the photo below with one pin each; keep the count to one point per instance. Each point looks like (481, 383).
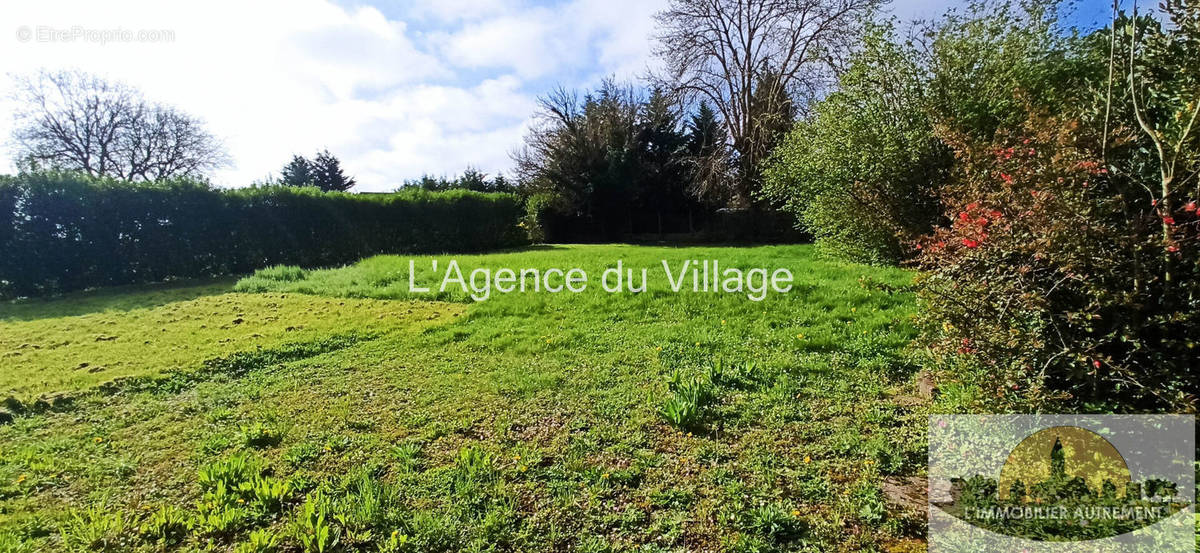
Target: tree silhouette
(298, 172)
(328, 175)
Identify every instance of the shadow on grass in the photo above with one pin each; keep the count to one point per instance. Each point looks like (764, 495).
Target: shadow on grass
(118, 298)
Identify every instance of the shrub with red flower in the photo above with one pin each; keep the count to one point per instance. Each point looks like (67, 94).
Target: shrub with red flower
(1058, 275)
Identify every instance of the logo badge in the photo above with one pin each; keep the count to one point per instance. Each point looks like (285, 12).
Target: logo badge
(1051, 483)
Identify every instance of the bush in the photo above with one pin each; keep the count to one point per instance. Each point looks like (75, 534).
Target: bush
(1056, 276)
(1070, 268)
(862, 173)
(61, 232)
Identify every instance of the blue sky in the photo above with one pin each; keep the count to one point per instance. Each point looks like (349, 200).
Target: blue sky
(396, 88)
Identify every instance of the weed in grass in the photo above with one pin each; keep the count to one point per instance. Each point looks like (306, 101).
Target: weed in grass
(593, 544)
(407, 456)
(498, 524)
(219, 520)
(868, 499)
(774, 522)
(473, 471)
(680, 412)
(271, 494)
(95, 529)
(260, 435)
(229, 473)
(474, 464)
(337, 443)
(214, 444)
(690, 394)
(168, 525)
(396, 542)
(281, 273)
(434, 531)
(11, 542)
(237, 492)
(312, 529)
(260, 541)
(302, 454)
(361, 425)
(737, 375)
(367, 509)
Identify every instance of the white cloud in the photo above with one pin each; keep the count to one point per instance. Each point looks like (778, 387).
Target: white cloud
(441, 85)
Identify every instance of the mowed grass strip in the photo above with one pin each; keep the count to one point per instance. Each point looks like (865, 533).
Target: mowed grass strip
(77, 351)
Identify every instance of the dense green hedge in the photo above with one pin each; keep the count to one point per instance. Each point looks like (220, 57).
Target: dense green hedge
(62, 232)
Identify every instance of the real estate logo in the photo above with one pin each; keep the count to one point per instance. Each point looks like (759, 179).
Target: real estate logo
(1051, 483)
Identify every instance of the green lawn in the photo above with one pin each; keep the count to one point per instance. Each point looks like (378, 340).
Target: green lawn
(344, 411)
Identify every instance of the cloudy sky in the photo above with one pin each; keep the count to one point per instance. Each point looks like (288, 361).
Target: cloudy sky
(397, 89)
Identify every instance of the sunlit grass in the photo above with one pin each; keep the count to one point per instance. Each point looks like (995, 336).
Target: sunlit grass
(76, 352)
(529, 422)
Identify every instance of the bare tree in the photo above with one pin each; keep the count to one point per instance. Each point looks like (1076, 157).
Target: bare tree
(76, 121)
(754, 61)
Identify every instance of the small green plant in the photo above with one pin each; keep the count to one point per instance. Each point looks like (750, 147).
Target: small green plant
(689, 395)
(219, 520)
(337, 443)
(367, 508)
(872, 508)
(302, 454)
(408, 455)
(230, 472)
(168, 525)
(395, 543)
(680, 412)
(773, 522)
(260, 435)
(473, 470)
(474, 464)
(313, 529)
(95, 529)
(259, 541)
(10, 542)
(271, 494)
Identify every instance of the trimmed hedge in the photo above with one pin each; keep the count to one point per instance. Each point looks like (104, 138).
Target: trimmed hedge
(61, 232)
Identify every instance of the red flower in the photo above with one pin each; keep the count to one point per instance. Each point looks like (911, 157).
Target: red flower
(982, 221)
(1190, 206)
(964, 217)
(1172, 248)
(970, 243)
(1168, 219)
(995, 214)
(1007, 178)
(1096, 363)
(972, 206)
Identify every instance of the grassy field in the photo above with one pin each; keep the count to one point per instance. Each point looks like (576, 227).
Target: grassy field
(333, 410)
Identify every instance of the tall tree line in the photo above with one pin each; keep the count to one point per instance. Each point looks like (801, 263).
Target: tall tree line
(624, 160)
